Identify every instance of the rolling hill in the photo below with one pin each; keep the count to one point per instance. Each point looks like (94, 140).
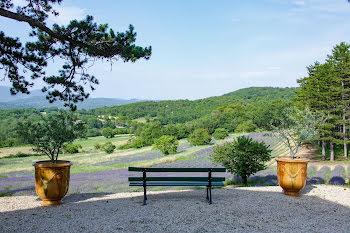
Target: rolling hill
(37, 99)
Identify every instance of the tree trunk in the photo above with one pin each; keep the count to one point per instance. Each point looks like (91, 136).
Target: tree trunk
(244, 180)
(323, 150)
(332, 151)
(319, 142)
(345, 151)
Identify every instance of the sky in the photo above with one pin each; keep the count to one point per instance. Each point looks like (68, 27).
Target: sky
(208, 48)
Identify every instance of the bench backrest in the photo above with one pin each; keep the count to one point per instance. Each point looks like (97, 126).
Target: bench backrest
(154, 169)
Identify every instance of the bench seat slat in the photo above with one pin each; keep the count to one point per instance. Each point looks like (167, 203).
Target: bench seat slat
(163, 183)
(140, 169)
(177, 179)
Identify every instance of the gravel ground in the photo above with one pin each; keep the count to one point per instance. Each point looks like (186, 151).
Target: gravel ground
(321, 208)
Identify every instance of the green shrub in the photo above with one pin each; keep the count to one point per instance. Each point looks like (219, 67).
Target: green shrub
(136, 142)
(121, 131)
(220, 133)
(125, 146)
(97, 146)
(71, 148)
(199, 137)
(166, 144)
(93, 132)
(108, 132)
(246, 127)
(108, 148)
(243, 157)
(19, 155)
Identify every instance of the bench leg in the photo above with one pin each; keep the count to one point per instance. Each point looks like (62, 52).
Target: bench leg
(207, 194)
(210, 202)
(144, 196)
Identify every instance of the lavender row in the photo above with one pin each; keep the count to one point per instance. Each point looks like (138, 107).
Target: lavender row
(321, 176)
(338, 176)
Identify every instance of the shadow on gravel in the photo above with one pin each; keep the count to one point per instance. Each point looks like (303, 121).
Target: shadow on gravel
(233, 210)
(82, 197)
(307, 189)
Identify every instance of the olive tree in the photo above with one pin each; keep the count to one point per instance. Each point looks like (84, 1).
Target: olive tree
(49, 135)
(296, 126)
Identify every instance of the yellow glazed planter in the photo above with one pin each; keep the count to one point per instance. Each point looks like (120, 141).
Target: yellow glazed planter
(292, 174)
(52, 181)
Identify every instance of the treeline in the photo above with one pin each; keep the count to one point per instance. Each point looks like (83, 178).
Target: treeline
(327, 89)
(244, 111)
(233, 118)
(181, 111)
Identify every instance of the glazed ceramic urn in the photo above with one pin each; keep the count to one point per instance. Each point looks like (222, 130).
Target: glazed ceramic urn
(52, 181)
(292, 174)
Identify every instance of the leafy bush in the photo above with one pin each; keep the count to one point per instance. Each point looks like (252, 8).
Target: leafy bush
(97, 146)
(93, 132)
(199, 137)
(127, 145)
(9, 142)
(166, 144)
(135, 142)
(71, 148)
(108, 132)
(139, 142)
(149, 132)
(19, 155)
(108, 148)
(121, 131)
(220, 133)
(246, 127)
(243, 157)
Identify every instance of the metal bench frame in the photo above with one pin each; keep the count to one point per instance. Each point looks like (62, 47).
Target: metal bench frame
(145, 181)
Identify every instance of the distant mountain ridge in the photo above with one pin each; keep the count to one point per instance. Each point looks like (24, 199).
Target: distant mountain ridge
(141, 108)
(37, 99)
(5, 95)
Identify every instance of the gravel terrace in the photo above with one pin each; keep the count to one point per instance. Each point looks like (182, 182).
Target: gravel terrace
(321, 208)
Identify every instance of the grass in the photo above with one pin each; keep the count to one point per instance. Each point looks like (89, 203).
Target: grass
(90, 142)
(5, 194)
(86, 161)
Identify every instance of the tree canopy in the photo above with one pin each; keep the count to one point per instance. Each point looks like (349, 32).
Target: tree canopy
(77, 44)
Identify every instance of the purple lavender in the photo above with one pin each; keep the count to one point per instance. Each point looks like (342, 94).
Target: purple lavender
(311, 171)
(338, 176)
(321, 176)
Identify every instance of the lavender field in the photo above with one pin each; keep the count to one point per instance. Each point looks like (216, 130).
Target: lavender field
(112, 175)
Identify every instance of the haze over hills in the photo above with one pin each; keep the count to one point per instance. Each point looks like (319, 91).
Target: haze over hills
(36, 99)
(246, 95)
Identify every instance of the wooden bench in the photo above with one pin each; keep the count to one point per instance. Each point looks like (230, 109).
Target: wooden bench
(145, 181)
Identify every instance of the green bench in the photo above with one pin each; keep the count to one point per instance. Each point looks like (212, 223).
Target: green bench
(145, 181)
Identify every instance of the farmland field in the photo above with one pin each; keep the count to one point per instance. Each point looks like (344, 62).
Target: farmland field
(95, 171)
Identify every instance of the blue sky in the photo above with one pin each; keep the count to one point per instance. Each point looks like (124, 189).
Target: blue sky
(206, 48)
